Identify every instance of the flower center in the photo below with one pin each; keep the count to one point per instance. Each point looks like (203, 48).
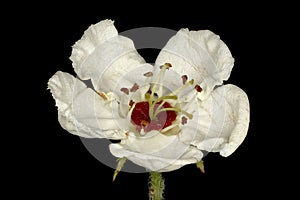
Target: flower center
(156, 113)
(141, 117)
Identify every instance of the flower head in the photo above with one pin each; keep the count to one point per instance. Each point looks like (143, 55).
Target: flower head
(165, 115)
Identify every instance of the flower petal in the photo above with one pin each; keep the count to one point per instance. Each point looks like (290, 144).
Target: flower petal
(93, 37)
(201, 55)
(81, 111)
(105, 57)
(157, 152)
(221, 122)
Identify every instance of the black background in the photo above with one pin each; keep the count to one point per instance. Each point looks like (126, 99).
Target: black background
(50, 162)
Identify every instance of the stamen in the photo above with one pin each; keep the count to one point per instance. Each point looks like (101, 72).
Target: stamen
(198, 88)
(166, 97)
(163, 99)
(178, 90)
(125, 90)
(131, 102)
(148, 74)
(168, 65)
(190, 116)
(183, 120)
(134, 88)
(144, 123)
(147, 97)
(184, 78)
(152, 101)
(147, 115)
(159, 76)
(103, 95)
(173, 94)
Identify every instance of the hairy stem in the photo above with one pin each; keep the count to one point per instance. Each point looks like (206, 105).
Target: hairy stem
(156, 186)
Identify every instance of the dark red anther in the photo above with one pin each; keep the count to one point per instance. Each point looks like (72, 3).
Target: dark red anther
(198, 88)
(184, 79)
(131, 102)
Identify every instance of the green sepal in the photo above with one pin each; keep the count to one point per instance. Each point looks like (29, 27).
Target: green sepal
(200, 165)
(121, 162)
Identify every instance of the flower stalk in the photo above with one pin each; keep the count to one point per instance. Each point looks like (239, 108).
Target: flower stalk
(156, 186)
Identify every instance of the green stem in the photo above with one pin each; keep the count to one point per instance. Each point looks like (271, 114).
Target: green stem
(156, 186)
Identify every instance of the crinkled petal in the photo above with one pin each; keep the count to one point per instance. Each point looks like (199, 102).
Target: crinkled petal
(157, 152)
(94, 36)
(221, 122)
(106, 57)
(201, 55)
(81, 111)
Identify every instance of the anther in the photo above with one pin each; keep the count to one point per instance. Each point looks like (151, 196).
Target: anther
(102, 95)
(166, 65)
(183, 120)
(144, 123)
(134, 88)
(131, 102)
(184, 79)
(198, 88)
(125, 90)
(148, 74)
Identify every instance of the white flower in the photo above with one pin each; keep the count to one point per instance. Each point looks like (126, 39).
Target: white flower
(165, 115)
